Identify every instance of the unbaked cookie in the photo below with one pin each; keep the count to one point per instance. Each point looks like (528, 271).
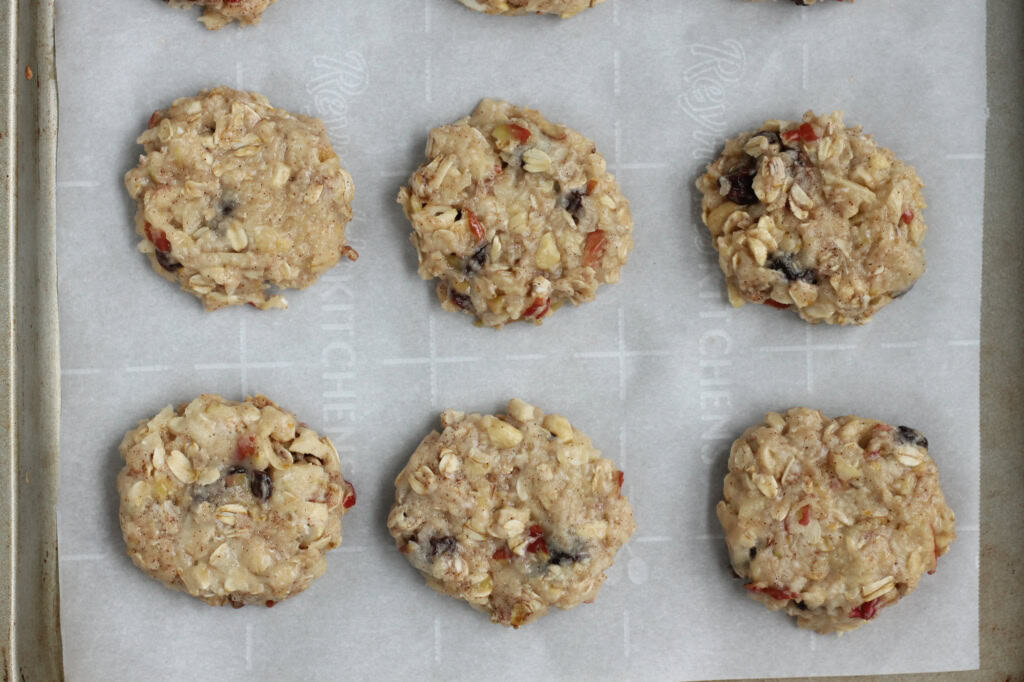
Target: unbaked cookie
(815, 216)
(237, 199)
(219, 13)
(832, 520)
(563, 8)
(515, 215)
(231, 502)
(514, 513)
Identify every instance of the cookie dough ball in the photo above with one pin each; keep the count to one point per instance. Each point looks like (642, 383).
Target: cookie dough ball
(231, 502)
(814, 216)
(563, 8)
(237, 199)
(219, 13)
(515, 216)
(832, 520)
(514, 513)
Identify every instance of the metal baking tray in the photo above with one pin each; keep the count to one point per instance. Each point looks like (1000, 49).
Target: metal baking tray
(30, 376)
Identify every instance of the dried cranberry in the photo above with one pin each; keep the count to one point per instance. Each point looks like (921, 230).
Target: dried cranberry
(593, 247)
(475, 226)
(445, 544)
(784, 263)
(741, 186)
(349, 500)
(261, 485)
(538, 545)
(867, 610)
(805, 515)
(773, 592)
(519, 132)
(905, 434)
(245, 446)
(538, 308)
(501, 554)
(158, 238)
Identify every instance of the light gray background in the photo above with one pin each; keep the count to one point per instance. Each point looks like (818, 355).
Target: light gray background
(659, 371)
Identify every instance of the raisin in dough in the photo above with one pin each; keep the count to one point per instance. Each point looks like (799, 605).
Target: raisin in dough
(237, 199)
(231, 502)
(514, 513)
(815, 216)
(563, 8)
(219, 13)
(832, 520)
(515, 215)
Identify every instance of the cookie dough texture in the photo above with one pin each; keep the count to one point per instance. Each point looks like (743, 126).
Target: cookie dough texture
(563, 8)
(219, 13)
(832, 520)
(515, 215)
(815, 216)
(512, 513)
(231, 502)
(237, 199)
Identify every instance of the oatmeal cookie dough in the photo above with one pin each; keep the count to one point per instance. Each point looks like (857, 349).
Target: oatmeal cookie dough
(832, 520)
(237, 199)
(515, 215)
(219, 13)
(563, 8)
(513, 513)
(814, 216)
(231, 502)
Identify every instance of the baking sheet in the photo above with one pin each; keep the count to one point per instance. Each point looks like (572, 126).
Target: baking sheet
(659, 371)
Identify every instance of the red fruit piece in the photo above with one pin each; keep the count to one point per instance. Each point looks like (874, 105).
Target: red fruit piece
(773, 592)
(593, 248)
(538, 308)
(807, 133)
(805, 515)
(519, 132)
(536, 531)
(349, 500)
(620, 477)
(907, 217)
(475, 226)
(591, 186)
(153, 119)
(538, 545)
(867, 610)
(158, 238)
(245, 446)
(775, 304)
(501, 554)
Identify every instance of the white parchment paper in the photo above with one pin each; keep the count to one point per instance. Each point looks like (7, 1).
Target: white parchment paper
(659, 370)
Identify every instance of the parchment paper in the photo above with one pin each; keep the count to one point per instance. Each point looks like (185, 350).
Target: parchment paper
(659, 370)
